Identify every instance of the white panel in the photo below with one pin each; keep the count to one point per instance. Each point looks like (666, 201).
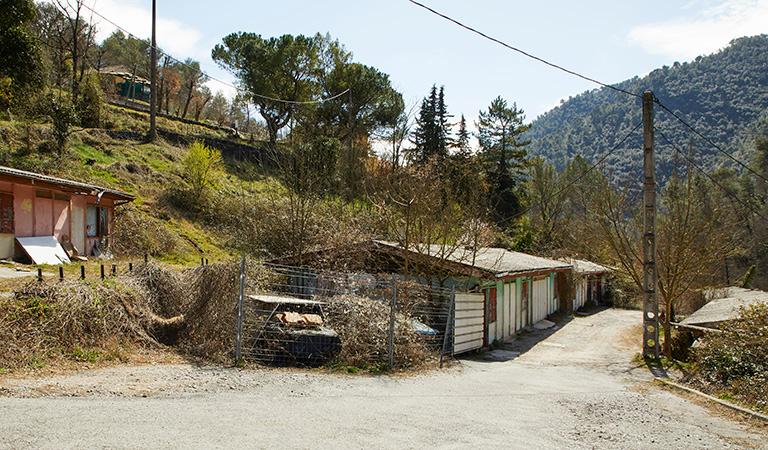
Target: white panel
(468, 323)
(540, 300)
(43, 249)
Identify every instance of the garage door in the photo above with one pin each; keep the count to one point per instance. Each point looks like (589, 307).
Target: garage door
(468, 322)
(540, 300)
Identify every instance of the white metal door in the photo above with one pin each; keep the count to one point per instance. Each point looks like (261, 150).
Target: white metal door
(468, 322)
(540, 299)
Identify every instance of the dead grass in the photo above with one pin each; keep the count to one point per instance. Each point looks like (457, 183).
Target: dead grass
(91, 322)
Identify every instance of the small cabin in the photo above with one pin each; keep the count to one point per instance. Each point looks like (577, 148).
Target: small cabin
(36, 205)
(125, 83)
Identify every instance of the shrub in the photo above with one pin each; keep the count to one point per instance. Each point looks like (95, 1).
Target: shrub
(137, 234)
(737, 358)
(201, 166)
(90, 104)
(63, 116)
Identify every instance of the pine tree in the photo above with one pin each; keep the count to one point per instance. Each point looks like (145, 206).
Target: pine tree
(425, 132)
(442, 127)
(499, 129)
(462, 139)
(432, 136)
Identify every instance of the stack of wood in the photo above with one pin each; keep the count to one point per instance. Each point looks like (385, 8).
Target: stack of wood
(294, 319)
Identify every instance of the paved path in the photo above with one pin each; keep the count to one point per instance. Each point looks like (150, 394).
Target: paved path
(575, 389)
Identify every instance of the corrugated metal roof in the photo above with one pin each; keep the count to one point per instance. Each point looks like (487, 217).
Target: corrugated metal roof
(582, 266)
(499, 261)
(64, 183)
(725, 305)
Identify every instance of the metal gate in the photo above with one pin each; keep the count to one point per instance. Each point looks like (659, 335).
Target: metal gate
(468, 322)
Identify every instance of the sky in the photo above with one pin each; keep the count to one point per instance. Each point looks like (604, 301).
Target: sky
(607, 40)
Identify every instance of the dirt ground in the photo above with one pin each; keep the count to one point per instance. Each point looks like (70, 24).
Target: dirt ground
(575, 389)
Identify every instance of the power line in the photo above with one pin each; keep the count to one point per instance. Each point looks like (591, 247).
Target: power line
(578, 178)
(709, 176)
(523, 52)
(709, 141)
(178, 61)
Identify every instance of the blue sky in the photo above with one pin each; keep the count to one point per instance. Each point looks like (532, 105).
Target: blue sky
(608, 40)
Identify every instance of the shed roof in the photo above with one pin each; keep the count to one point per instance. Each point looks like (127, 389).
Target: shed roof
(584, 267)
(63, 184)
(498, 261)
(725, 305)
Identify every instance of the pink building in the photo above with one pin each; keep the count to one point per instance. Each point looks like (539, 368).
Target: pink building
(32, 204)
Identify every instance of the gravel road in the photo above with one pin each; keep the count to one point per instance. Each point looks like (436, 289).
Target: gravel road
(574, 389)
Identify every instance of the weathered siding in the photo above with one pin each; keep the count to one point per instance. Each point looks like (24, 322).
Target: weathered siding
(78, 223)
(23, 210)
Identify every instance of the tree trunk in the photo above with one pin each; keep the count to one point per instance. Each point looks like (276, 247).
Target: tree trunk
(191, 91)
(668, 329)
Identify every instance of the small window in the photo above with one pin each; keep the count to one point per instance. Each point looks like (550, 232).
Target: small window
(96, 221)
(6, 213)
(40, 193)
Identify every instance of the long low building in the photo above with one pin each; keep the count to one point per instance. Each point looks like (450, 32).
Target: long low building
(519, 289)
(37, 205)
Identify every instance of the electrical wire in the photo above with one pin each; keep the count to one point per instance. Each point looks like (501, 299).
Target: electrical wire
(709, 176)
(523, 52)
(578, 178)
(709, 141)
(178, 61)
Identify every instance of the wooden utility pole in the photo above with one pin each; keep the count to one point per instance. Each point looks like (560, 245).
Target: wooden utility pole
(153, 80)
(650, 273)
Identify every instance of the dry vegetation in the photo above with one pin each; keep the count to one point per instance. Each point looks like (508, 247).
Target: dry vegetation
(734, 364)
(191, 310)
(363, 326)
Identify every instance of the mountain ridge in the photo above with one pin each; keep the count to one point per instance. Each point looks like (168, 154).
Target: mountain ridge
(724, 95)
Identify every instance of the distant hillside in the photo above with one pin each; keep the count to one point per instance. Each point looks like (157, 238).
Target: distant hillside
(724, 95)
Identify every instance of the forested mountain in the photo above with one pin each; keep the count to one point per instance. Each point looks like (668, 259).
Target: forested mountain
(723, 95)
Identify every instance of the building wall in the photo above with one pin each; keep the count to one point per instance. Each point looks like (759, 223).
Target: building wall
(46, 212)
(512, 315)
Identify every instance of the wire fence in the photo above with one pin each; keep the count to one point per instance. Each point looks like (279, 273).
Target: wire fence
(300, 316)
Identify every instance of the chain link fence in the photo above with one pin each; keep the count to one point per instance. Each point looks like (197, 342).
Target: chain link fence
(299, 316)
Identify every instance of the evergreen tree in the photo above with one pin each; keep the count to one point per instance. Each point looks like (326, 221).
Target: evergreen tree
(432, 136)
(442, 127)
(20, 58)
(424, 134)
(462, 139)
(499, 130)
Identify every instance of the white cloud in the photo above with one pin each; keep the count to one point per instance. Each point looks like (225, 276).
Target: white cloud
(706, 31)
(178, 39)
(226, 87)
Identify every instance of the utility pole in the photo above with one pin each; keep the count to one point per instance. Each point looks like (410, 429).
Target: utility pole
(650, 273)
(153, 80)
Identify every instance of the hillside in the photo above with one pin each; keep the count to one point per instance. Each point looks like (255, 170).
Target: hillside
(724, 95)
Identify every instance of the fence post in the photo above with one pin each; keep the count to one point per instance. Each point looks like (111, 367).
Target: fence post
(82, 272)
(240, 299)
(391, 334)
(61, 273)
(448, 336)
(39, 274)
